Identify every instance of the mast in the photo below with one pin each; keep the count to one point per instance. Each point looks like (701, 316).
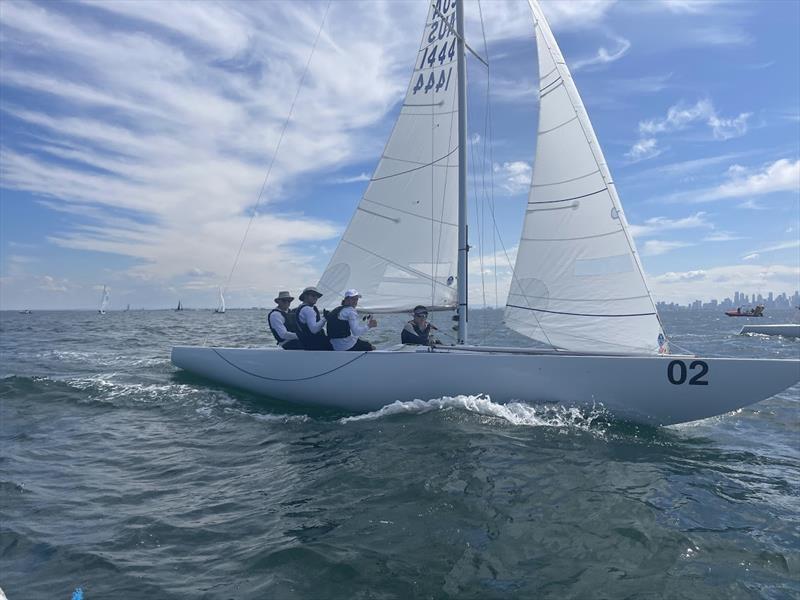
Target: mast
(463, 244)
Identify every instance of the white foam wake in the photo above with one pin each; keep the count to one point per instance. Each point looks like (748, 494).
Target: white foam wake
(516, 413)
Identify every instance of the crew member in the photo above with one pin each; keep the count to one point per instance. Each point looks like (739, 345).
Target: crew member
(310, 326)
(344, 326)
(418, 330)
(283, 323)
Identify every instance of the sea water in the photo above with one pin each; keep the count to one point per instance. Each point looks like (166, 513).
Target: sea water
(121, 477)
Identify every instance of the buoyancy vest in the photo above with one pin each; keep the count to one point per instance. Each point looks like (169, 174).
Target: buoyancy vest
(420, 336)
(311, 341)
(289, 321)
(338, 328)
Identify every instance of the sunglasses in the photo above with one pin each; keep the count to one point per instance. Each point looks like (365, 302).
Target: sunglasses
(421, 314)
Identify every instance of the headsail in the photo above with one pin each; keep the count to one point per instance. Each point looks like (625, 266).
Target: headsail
(578, 283)
(400, 248)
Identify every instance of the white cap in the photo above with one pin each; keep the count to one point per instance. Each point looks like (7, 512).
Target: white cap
(351, 293)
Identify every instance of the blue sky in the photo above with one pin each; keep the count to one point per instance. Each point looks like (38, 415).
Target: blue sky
(135, 137)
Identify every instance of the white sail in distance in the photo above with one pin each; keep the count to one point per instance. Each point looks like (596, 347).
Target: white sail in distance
(578, 283)
(400, 248)
(105, 299)
(221, 305)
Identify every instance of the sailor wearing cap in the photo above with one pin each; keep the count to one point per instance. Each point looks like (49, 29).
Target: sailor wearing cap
(418, 330)
(309, 324)
(283, 323)
(344, 326)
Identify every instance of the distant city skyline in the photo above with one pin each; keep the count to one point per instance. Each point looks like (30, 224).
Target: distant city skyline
(781, 300)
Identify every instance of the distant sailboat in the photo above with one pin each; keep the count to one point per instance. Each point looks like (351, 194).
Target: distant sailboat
(180, 306)
(127, 308)
(104, 301)
(578, 284)
(221, 307)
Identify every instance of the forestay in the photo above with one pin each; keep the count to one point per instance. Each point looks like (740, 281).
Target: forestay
(400, 248)
(578, 283)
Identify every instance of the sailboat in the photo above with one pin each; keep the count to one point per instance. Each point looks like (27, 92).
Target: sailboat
(180, 306)
(105, 299)
(578, 283)
(781, 329)
(221, 306)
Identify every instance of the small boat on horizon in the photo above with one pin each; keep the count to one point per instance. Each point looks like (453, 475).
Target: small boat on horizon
(104, 301)
(180, 306)
(757, 311)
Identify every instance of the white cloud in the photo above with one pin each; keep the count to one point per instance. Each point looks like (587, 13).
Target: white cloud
(513, 177)
(658, 247)
(660, 224)
(155, 130)
(691, 6)
(353, 179)
(777, 247)
(782, 175)
(753, 256)
(603, 56)
(680, 117)
(644, 149)
(722, 236)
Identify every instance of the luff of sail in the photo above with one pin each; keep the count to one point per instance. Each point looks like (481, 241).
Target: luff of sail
(400, 248)
(578, 283)
(104, 301)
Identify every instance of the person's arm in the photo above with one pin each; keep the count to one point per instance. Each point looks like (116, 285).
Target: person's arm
(308, 318)
(278, 322)
(357, 327)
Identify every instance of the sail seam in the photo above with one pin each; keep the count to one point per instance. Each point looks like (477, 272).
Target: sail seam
(391, 262)
(583, 237)
(567, 122)
(582, 299)
(572, 314)
(568, 199)
(550, 84)
(430, 164)
(407, 212)
(567, 180)
(550, 91)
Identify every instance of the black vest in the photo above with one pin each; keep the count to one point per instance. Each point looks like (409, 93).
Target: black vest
(311, 341)
(421, 337)
(337, 328)
(289, 321)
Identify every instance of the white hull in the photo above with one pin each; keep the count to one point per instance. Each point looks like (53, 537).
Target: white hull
(629, 387)
(786, 330)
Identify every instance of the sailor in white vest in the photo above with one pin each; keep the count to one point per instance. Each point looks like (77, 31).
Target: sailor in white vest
(344, 325)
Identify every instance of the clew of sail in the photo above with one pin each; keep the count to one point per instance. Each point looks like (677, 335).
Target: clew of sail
(400, 248)
(578, 283)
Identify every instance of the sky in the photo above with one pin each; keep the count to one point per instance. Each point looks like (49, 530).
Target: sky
(136, 137)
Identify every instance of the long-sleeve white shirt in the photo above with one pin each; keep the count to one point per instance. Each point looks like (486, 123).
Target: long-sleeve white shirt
(307, 316)
(278, 321)
(357, 328)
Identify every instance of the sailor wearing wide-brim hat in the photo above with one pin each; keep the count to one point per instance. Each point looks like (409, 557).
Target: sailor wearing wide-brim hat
(283, 324)
(344, 325)
(309, 323)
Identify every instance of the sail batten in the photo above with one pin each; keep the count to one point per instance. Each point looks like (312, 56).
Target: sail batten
(400, 248)
(578, 283)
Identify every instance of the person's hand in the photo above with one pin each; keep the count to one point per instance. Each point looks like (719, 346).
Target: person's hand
(325, 312)
(372, 323)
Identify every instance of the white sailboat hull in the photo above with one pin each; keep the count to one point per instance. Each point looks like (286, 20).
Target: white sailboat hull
(786, 330)
(650, 390)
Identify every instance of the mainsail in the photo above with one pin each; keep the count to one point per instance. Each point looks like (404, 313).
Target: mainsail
(578, 283)
(400, 248)
(221, 306)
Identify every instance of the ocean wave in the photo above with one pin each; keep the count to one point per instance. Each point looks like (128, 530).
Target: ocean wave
(516, 413)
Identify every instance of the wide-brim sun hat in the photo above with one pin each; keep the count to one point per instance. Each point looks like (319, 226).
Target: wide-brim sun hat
(309, 289)
(352, 293)
(284, 296)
